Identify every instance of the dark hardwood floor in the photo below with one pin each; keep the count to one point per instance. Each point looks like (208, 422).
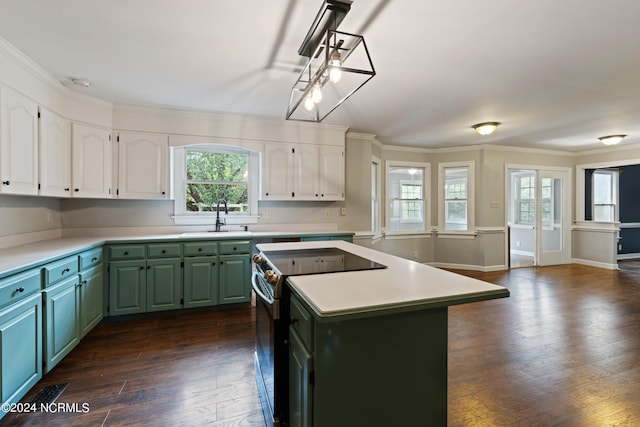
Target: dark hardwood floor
(563, 350)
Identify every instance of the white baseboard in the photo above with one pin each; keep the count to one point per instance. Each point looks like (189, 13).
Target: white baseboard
(595, 263)
(629, 256)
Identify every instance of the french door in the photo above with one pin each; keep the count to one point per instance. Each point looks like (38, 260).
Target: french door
(539, 216)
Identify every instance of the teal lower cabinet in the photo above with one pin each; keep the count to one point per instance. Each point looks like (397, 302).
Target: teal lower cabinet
(366, 369)
(201, 281)
(91, 299)
(127, 287)
(163, 284)
(235, 279)
(20, 346)
(300, 382)
(61, 320)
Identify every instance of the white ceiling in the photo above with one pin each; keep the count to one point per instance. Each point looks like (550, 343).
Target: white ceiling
(556, 73)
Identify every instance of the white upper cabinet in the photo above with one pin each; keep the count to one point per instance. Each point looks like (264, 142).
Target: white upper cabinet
(303, 172)
(55, 155)
(91, 155)
(18, 143)
(142, 166)
(277, 177)
(331, 173)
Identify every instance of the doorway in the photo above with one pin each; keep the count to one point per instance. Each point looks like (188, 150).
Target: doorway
(538, 216)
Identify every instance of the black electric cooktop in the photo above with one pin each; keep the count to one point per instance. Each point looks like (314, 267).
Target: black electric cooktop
(318, 261)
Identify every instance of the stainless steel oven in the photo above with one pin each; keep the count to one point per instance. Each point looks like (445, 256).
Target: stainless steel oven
(271, 358)
(271, 270)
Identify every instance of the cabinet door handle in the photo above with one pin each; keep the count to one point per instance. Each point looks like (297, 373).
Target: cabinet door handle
(94, 259)
(141, 268)
(221, 262)
(148, 267)
(66, 189)
(164, 251)
(6, 182)
(234, 248)
(20, 289)
(76, 190)
(126, 253)
(213, 263)
(199, 249)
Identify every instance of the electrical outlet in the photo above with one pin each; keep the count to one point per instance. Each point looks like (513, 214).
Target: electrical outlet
(326, 213)
(49, 217)
(343, 211)
(266, 215)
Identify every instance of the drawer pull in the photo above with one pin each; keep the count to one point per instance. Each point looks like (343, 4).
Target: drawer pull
(6, 182)
(66, 270)
(199, 249)
(164, 251)
(20, 289)
(126, 252)
(94, 259)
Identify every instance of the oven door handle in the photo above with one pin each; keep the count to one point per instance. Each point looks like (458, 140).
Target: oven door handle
(255, 279)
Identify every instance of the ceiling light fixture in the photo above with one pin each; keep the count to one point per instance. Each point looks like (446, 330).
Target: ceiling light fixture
(611, 139)
(325, 78)
(485, 128)
(80, 82)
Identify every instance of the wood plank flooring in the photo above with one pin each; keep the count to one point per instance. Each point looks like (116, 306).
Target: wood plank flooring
(563, 350)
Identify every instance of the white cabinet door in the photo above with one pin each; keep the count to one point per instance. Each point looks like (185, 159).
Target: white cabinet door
(18, 143)
(331, 173)
(142, 166)
(305, 176)
(55, 155)
(91, 157)
(278, 172)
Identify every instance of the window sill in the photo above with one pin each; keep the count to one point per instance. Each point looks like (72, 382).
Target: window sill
(211, 219)
(406, 234)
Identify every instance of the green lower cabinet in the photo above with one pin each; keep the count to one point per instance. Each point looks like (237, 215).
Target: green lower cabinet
(201, 281)
(20, 348)
(164, 284)
(127, 287)
(61, 314)
(91, 299)
(300, 382)
(235, 279)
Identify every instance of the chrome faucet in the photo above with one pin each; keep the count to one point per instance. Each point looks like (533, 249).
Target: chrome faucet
(219, 222)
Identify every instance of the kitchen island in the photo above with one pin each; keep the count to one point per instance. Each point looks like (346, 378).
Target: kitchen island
(370, 347)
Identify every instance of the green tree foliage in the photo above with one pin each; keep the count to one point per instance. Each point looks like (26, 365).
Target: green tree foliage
(214, 176)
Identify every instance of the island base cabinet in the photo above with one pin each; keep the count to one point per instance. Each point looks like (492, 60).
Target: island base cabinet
(21, 348)
(300, 382)
(374, 371)
(61, 311)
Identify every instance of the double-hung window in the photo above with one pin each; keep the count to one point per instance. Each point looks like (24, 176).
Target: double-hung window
(605, 189)
(456, 197)
(407, 189)
(208, 178)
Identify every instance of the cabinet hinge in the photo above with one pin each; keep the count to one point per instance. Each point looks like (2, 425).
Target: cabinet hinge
(109, 137)
(182, 264)
(293, 194)
(38, 183)
(38, 114)
(117, 192)
(181, 301)
(293, 151)
(312, 377)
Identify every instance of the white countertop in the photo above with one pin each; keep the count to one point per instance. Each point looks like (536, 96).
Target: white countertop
(404, 284)
(21, 257)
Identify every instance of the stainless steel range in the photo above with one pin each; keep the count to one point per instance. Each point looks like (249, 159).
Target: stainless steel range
(271, 269)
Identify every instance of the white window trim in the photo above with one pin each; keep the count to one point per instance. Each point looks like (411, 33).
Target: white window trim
(426, 187)
(181, 217)
(377, 227)
(471, 206)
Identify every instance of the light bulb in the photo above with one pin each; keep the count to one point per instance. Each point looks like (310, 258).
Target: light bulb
(316, 93)
(308, 103)
(335, 75)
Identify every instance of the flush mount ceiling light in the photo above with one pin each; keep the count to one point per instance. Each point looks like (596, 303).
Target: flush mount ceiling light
(80, 82)
(611, 139)
(338, 65)
(485, 128)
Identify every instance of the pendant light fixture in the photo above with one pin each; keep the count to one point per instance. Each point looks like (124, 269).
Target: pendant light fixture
(338, 65)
